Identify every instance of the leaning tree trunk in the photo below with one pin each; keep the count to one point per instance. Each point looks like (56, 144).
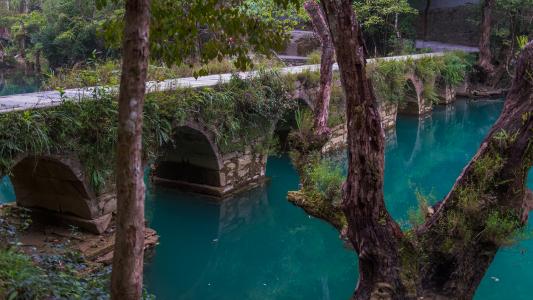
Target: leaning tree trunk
(326, 66)
(126, 279)
(372, 232)
(448, 255)
(485, 56)
(459, 240)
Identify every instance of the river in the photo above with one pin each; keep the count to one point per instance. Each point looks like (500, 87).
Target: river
(259, 246)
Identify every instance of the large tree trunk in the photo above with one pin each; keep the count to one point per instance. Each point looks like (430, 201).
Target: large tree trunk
(38, 61)
(23, 9)
(492, 184)
(426, 17)
(485, 56)
(326, 66)
(449, 254)
(372, 232)
(126, 279)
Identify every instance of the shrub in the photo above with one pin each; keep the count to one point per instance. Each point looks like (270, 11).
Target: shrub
(501, 229)
(326, 178)
(389, 79)
(314, 57)
(454, 68)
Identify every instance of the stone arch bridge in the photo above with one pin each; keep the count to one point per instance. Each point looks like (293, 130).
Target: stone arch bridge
(57, 186)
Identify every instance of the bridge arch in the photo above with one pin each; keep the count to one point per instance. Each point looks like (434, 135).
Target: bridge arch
(56, 188)
(191, 160)
(288, 122)
(415, 103)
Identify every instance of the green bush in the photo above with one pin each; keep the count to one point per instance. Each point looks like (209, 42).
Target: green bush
(53, 277)
(314, 57)
(388, 78)
(454, 68)
(326, 178)
(501, 229)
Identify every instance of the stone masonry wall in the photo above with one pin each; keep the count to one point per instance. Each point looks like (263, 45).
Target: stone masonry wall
(339, 133)
(242, 170)
(455, 25)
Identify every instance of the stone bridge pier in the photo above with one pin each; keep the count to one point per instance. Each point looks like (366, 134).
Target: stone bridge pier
(194, 162)
(416, 102)
(57, 188)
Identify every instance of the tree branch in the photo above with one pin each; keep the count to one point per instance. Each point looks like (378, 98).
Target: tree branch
(326, 66)
(459, 238)
(373, 233)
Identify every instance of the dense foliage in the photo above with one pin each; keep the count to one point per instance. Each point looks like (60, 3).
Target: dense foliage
(388, 25)
(390, 82)
(71, 32)
(88, 128)
(65, 32)
(513, 24)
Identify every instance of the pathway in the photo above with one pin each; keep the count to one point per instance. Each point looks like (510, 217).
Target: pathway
(443, 47)
(53, 98)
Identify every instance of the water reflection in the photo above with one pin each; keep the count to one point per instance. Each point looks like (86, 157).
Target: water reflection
(7, 194)
(15, 81)
(258, 246)
(254, 246)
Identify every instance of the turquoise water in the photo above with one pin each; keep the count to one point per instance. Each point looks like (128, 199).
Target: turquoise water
(259, 246)
(14, 81)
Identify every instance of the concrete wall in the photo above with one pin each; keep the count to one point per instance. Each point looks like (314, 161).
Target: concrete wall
(421, 4)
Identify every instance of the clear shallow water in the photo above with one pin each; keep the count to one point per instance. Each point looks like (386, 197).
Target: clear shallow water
(259, 246)
(14, 81)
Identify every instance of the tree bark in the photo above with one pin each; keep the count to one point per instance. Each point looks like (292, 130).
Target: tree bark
(499, 188)
(426, 16)
(372, 232)
(22, 45)
(485, 56)
(126, 279)
(23, 9)
(326, 66)
(38, 61)
(446, 257)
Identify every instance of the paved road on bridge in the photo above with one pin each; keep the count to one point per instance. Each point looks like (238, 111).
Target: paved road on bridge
(53, 98)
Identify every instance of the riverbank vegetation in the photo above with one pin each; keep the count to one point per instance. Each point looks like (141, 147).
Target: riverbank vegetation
(58, 275)
(88, 128)
(445, 256)
(484, 210)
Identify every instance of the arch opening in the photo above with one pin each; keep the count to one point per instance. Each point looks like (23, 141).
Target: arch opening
(48, 183)
(56, 191)
(191, 158)
(289, 121)
(410, 104)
